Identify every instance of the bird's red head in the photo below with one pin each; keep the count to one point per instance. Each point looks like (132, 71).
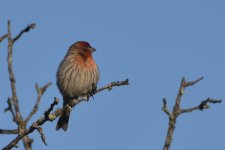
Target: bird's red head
(84, 45)
(84, 49)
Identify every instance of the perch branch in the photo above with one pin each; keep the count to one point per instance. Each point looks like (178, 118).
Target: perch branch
(177, 110)
(110, 85)
(48, 116)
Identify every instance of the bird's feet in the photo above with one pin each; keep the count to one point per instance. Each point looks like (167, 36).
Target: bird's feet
(91, 94)
(68, 109)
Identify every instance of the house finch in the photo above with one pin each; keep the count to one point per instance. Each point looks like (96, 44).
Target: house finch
(77, 76)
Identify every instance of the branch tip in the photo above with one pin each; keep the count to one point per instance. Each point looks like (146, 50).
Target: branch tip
(40, 131)
(56, 100)
(27, 29)
(3, 37)
(191, 83)
(36, 87)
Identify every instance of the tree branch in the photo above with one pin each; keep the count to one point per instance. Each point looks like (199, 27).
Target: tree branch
(203, 105)
(112, 84)
(40, 92)
(14, 131)
(27, 29)
(165, 108)
(177, 110)
(15, 110)
(48, 116)
(3, 37)
(10, 108)
(12, 77)
(40, 131)
(191, 83)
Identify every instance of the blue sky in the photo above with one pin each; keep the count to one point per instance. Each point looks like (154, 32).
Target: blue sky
(153, 43)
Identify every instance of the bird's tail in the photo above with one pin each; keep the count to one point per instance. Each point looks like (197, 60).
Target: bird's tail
(63, 120)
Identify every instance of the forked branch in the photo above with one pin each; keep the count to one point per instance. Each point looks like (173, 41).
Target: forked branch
(178, 111)
(48, 116)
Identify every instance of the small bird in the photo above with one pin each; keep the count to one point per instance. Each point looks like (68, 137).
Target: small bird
(77, 76)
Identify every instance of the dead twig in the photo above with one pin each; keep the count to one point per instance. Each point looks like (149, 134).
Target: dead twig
(27, 29)
(40, 93)
(48, 116)
(165, 108)
(10, 108)
(40, 131)
(14, 131)
(203, 105)
(3, 37)
(178, 111)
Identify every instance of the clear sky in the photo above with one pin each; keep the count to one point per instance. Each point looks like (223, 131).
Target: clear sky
(153, 43)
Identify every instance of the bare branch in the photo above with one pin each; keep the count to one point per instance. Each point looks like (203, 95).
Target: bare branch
(12, 77)
(109, 86)
(191, 83)
(15, 102)
(203, 105)
(14, 131)
(48, 116)
(10, 108)
(177, 110)
(40, 131)
(33, 127)
(56, 101)
(164, 108)
(27, 29)
(3, 37)
(40, 92)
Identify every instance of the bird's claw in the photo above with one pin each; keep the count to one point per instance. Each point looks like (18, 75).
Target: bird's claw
(91, 94)
(68, 109)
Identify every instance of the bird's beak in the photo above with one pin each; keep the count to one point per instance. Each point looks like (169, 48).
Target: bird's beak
(92, 49)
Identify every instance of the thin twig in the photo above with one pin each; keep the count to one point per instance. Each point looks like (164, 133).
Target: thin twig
(40, 93)
(40, 131)
(165, 108)
(10, 108)
(110, 85)
(48, 116)
(27, 29)
(177, 110)
(14, 131)
(3, 37)
(203, 105)
(12, 77)
(191, 83)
